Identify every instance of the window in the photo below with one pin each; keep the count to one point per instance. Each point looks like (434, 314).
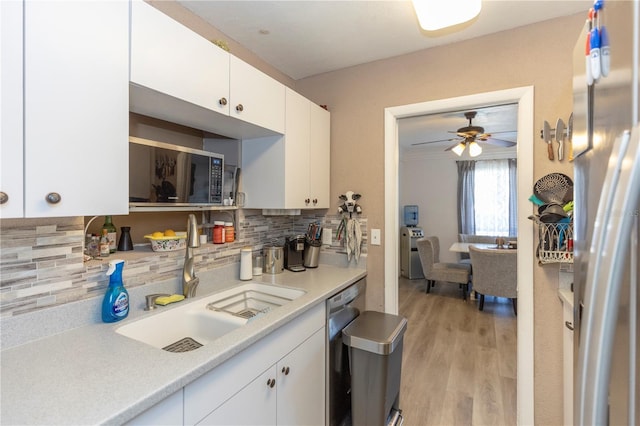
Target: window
(491, 194)
(487, 193)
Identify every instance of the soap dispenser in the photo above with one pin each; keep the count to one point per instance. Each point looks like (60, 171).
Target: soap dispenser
(115, 305)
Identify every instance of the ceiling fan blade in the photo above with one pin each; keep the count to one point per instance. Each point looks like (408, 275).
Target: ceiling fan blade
(429, 142)
(499, 142)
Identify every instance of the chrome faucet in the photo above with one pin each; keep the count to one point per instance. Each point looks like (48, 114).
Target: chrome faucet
(189, 280)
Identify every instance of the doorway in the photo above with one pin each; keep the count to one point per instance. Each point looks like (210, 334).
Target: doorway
(523, 97)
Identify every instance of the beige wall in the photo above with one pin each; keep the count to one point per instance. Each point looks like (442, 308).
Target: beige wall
(537, 55)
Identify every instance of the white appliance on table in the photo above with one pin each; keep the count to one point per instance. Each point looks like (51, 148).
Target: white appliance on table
(410, 266)
(607, 191)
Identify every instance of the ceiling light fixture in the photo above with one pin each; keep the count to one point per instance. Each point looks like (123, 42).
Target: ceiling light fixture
(437, 14)
(474, 149)
(459, 149)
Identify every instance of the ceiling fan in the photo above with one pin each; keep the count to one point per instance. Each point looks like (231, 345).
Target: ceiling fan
(470, 136)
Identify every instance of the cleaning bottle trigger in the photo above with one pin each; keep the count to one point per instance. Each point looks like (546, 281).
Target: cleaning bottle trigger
(112, 267)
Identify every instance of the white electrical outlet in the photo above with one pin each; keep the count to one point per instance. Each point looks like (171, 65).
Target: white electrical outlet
(375, 237)
(326, 236)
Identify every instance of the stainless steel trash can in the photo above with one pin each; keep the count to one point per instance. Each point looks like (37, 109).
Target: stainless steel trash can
(375, 357)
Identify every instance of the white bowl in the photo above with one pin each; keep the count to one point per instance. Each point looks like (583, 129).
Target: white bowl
(178, 242)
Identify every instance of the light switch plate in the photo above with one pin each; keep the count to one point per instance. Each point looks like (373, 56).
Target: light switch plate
(375, 237)
(326, 236)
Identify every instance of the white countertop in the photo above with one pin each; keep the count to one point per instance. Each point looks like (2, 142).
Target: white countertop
(92, 375)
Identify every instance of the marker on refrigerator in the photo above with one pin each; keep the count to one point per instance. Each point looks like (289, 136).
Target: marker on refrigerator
(594, 47)
(587, 58)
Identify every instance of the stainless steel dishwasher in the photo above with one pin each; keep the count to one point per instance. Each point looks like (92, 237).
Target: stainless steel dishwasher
(342, 308)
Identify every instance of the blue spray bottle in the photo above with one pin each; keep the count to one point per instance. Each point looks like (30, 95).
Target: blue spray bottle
(115, 305)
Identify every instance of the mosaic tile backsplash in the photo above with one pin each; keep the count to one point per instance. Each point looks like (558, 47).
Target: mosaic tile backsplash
(41, 260)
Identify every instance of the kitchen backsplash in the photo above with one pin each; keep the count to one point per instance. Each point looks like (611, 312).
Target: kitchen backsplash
(41, 260)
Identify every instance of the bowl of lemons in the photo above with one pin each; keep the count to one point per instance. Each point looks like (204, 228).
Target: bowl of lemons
(169, 240)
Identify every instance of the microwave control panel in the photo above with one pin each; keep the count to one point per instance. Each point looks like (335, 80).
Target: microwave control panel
(216, 182)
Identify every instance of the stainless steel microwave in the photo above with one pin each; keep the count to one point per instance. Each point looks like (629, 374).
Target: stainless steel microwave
(162, 174)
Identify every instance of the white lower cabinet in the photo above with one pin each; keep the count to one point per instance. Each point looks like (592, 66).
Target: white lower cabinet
(253, 405)
(301, 383)
(280, 380)
(288, 393)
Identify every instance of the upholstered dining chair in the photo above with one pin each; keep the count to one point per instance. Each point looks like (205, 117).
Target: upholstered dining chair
(495, 273)
(434, 270)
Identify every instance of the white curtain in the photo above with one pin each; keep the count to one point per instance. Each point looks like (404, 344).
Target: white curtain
(492, 197)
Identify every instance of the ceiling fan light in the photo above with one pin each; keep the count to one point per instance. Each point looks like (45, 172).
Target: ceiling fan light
(437, 14)
(459, 149)
(474, 149)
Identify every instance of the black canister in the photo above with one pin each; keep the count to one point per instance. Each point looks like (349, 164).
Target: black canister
(125, 243)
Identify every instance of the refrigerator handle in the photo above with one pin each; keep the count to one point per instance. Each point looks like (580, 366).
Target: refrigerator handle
(633, 322)
(610, 247)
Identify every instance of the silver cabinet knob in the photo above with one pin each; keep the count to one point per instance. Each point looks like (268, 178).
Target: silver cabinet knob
(307, 200)
(222, 101)
(4, 197)
(271, 382)
(315, 201)
(285, 370)
(239, 108)
(53, 198)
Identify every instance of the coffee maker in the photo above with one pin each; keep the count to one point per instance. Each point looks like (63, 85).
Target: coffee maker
(294, 253)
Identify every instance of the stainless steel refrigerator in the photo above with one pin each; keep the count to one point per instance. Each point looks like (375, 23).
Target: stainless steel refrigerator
(605, 139)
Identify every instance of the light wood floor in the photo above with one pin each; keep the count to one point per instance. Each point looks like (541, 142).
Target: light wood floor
(459, 364)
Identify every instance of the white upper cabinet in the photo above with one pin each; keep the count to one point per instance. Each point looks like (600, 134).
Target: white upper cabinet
(255, 97)
(297, 164)
(168, 57)
(319, 157)
(11, 136)
(75, 97)
(179, 76)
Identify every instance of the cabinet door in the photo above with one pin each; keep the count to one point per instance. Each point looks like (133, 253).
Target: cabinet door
(168, 57)
(255, 97)
(301, 383)
(319, 157)
(296, 164)
(11, 120)
(253, 405)
(76, 101)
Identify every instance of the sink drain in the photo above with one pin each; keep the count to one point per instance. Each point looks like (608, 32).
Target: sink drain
(183, 345)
